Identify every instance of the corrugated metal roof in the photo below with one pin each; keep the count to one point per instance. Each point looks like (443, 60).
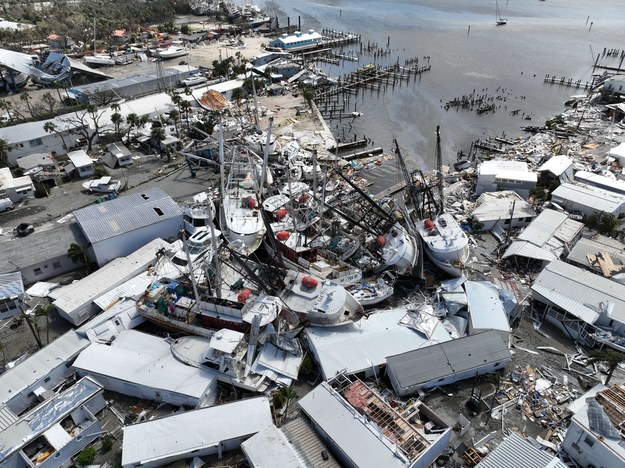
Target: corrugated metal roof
(355, 347)
(593, 198)
(424, 366)
(485, 308)
(498, 205)
(516, 452)
(359, 442)
(181, 434)
(608, 183)
(543, 227)
(11, 285)
(586, 247)
(270, 448)
(579, 292)
(308, 444)
(528, 250)
(125, 214)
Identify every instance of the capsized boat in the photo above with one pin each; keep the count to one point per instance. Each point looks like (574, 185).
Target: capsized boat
(399, 250)
(445, 243)
(240, 218)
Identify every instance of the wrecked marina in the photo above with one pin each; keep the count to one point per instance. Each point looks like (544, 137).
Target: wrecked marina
(280, 318)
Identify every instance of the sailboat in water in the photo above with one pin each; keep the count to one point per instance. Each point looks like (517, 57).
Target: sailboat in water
(498, 19)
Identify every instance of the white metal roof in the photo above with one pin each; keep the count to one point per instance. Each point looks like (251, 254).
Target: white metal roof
(181, 434)
(357, 440)
(580, 292)
(125, 214)
(527, 249)
(79, 158)
(618, 151)
(485, 308)
(37, 366)
(11, 285)
(598, 245)
(589, 196)
(498, 205)
(496, 166)
(517, 452)
(556, 165)
(301, 36)
(270, 448)
(144, 360)
(608, 183)
(355, 347)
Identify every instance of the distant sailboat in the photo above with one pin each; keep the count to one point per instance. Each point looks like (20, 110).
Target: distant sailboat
(498, 19)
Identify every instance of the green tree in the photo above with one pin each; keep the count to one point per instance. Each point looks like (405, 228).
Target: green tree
(86, 457)
(51, 127)
(26, 98)
(610, 358)
(132, 120)
(78, 254)
(287, 394)
(4, 153)
(157, 135)
(117, 119)
(309, 95)
(174, 115)
(538, 195)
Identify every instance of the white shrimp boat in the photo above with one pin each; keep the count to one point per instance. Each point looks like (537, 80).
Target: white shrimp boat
(445, 243)
(240, 218)
(319, 302)
(199, 215)
(399, 251)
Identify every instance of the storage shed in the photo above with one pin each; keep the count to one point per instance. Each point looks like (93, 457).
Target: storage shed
(117, 155)
(588, 199)
(118, 227)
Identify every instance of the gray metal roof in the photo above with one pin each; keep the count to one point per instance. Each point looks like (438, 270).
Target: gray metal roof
(485, 307)
(599, 244)
(118, 148)
(422, 366)
(579, 292)
(22, 252)
(589, 196)
(308, 444)
(550, 223)
(342, 424)
(125, 214)
(517, 452)
(33, 160)
(11, 285)
(498, 205)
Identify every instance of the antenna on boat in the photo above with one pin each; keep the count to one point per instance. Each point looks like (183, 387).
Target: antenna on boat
(263, 178)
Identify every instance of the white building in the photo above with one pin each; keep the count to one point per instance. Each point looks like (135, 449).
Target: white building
(550, 236)
(118, 227)
(614, 84)
(558, 167)
(117, 155)
(594, 437)
(11, 294)
(518, 452)
(15, 188)
(597, 180)
(141, 365)
(196, 433)
(50, 434)
(588, 200)
(364, 431)
(75, 302)
(496, 175)
(586, 306)
(500, 211)
(79, 163)
(365, 345)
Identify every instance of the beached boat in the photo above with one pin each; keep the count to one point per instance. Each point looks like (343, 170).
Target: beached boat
(199, 215)
(498, 19)
(171, 52)
(300, 254)
(101, 60)
(317, 301)
(224, 354)
(240, 218)
(102, 185)
(374, 292)
(399, 251)
(445, 243)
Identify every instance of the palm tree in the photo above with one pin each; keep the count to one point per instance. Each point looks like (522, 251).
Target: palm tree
(25, 97)
(7, 106)
(50, 127)
(4, 153)
(132, 120)
(117, 119)
(287, 394)
(158, 134)
(174, 115)
(610, 358)
(78, 253)
(185, 106)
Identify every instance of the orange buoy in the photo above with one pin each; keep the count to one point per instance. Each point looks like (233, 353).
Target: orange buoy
(381, 240)
(251, 203)
(244, 296)
(283, 235)
(309, 282)
(428, 224)
(281, 213)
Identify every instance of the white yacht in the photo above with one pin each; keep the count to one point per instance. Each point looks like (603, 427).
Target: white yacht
(399, 250)
(171, 52)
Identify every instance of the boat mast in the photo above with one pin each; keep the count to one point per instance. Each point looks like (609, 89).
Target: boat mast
(439, 167)
(263, 178)
(94, 48)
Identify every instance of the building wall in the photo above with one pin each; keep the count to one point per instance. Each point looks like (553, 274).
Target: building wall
(85, 171)
(584, 447)
(125, 244)
(46, 144)
(140, 391)
(48, 269)
(88, 435)
(516, 222)
(434, 451)
(586, 210)
(9, 308)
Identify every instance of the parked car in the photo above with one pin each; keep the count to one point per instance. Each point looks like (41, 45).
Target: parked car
(6, 204)
(24, 229)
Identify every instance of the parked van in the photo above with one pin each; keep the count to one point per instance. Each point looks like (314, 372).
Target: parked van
(6, 204)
